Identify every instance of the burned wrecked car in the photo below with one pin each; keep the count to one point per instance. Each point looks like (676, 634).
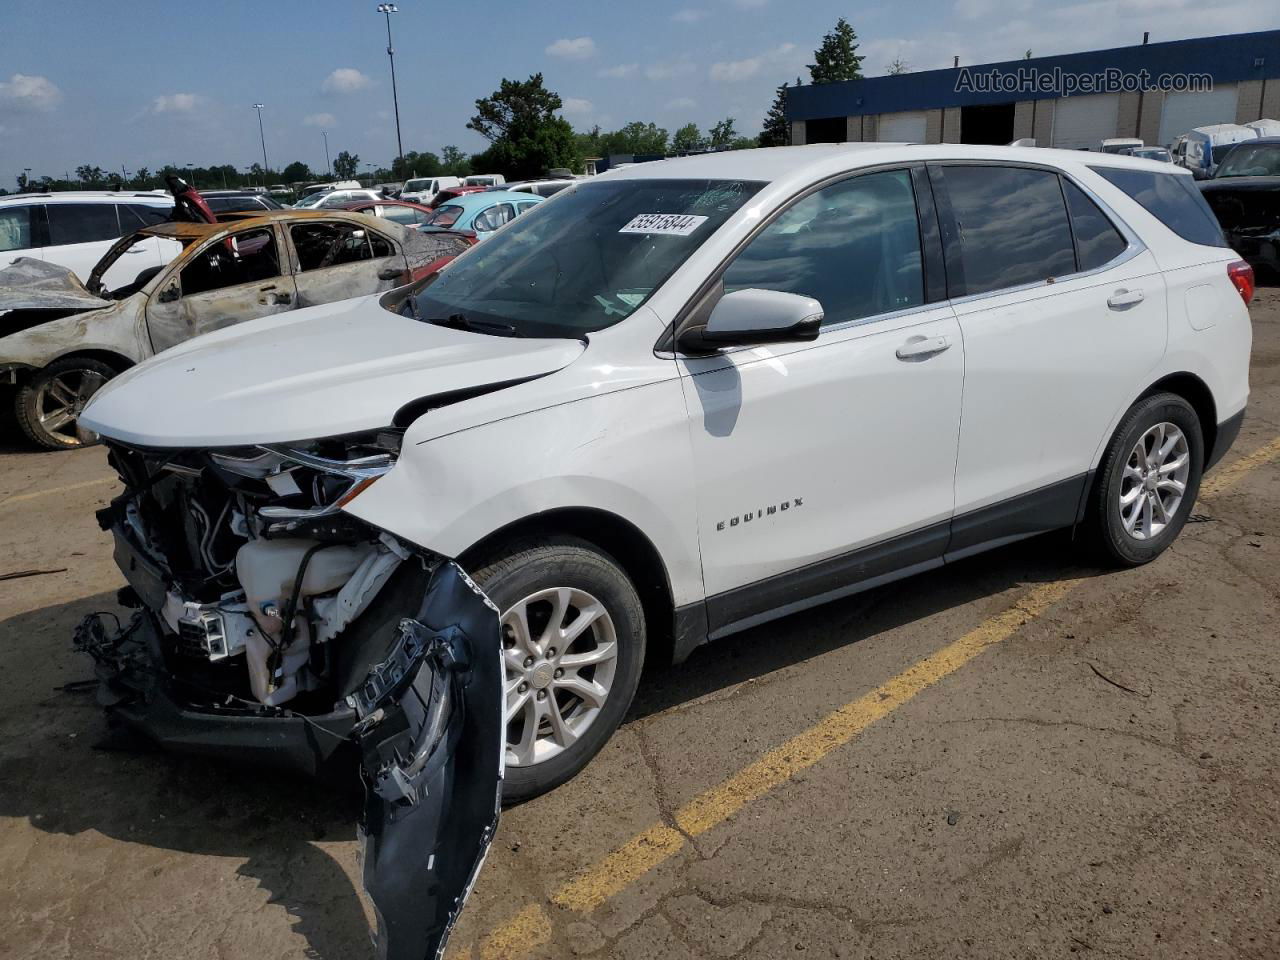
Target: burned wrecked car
(1244, 194)
(61, 340)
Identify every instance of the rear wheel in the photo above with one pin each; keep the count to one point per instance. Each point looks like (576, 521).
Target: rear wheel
(49, 404)
(573, 638)
(1148, 480)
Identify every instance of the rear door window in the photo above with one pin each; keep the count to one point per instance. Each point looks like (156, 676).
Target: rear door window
(82, 223)
(136, 215)
(1010, 228)
(493, 218)
(1171, 198)
(250, 258)
(1098, 242)
(400, 214)
(322, 245)
(15, 228)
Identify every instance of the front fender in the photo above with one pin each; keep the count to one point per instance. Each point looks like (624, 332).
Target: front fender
(117, 329)
(625, 453)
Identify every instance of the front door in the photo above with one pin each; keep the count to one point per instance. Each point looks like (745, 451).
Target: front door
(820, 465)
(229, 280)
(338, 259)
(1063, 314)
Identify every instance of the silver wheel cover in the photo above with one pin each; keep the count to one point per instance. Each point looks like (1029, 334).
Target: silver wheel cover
(1154, 481)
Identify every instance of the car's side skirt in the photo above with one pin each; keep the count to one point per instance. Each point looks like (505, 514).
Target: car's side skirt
(1052, 507)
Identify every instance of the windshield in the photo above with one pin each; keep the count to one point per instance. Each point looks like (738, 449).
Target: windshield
(585, 260)
(413, 186)
(1252, 160)
(1221, 150)
(445, 216)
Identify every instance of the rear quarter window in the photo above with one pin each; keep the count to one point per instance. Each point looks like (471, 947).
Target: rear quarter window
(1171, 198)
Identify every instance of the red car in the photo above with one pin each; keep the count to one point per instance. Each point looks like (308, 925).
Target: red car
(452, 193)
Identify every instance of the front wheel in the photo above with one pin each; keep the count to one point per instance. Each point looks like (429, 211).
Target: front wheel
(573, 643)
(48, 406)
(1148, 480)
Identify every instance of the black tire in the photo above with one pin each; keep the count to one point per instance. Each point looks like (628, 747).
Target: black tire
(521, 569)
(32, 401)
(1104, 522)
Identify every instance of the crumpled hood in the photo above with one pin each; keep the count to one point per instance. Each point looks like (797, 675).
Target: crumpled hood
(324, 371)
(30, 284)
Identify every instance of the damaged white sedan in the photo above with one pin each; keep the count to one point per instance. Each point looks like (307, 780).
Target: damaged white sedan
(670, 404)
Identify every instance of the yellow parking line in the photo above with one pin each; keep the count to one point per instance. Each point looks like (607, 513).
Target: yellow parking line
(659, 843)
(1230, 475)
(23, 497)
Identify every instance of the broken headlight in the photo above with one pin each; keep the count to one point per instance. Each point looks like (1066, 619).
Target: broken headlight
(316, 478)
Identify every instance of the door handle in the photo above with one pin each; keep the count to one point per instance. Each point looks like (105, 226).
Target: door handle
(1124, 298)
(922, 348)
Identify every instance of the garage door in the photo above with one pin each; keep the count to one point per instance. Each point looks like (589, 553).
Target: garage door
(905, 127)
(1085, 121)
(1182, 111)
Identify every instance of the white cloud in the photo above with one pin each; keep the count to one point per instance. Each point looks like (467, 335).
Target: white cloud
(346, 80)
(175, 103)
(620, 71)
(576, 105)
(319, 120)
(579, 48)
(736, 71)
(668, 71)
(682, 103)
(689, 15)
(26, 93)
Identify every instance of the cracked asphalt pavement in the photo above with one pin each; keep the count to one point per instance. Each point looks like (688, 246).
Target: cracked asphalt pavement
(1018, 756)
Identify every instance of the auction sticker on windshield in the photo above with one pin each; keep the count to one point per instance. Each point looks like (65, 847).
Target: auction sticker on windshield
(664, 224)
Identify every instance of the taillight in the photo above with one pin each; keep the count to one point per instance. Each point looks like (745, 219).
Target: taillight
(1241, 275)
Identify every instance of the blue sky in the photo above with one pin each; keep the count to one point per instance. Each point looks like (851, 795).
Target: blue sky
(140, 82)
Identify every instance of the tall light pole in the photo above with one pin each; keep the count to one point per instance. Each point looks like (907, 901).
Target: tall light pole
(263, 136)
(327, 162)
(388, 9)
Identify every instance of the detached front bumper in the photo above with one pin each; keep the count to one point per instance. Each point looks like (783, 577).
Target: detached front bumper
(135, 689)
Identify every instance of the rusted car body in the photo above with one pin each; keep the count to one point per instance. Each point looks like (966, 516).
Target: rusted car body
(60, 339)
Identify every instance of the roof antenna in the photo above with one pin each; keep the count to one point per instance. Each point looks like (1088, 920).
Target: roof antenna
(1146, 35)
(956, 62)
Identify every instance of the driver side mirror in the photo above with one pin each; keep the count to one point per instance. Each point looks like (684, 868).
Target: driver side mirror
(390, 273)
(170, 293)
(752, 317)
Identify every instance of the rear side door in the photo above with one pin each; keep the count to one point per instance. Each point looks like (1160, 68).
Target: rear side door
(337, 259)
(820, 465)
(80, 233)
(227, 281)
(1063, 314)
(22, 230)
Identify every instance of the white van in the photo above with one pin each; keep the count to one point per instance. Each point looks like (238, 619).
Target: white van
(1265, 128)
(485, 180)
(1206, 146)
(1120, 145)
(424, 189)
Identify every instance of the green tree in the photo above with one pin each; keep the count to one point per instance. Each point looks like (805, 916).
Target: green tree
(777, 131)
(636, 138)
(687, 138)
(296, 172)
(591, 143)
(526, 135)
(345, 165)
(837, 57)
(898, 67)
(415, 164)
(453, 162)
(723, 134)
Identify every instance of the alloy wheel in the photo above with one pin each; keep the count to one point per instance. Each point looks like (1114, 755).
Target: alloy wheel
(1154, 481)
(61, 399)
(560, 655)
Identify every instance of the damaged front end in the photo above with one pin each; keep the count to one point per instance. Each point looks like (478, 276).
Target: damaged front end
(271, 626)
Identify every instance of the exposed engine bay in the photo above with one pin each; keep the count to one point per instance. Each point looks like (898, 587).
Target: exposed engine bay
(271, 626)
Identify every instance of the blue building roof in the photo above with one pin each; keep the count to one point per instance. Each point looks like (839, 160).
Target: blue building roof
(1228, 59)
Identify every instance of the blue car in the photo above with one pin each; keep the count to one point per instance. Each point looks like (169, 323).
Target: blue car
(480, 213)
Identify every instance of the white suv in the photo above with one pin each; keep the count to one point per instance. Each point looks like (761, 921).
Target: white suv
(74, 230)
(675, 402)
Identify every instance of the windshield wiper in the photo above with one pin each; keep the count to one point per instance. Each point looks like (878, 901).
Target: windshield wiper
(458, 321)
